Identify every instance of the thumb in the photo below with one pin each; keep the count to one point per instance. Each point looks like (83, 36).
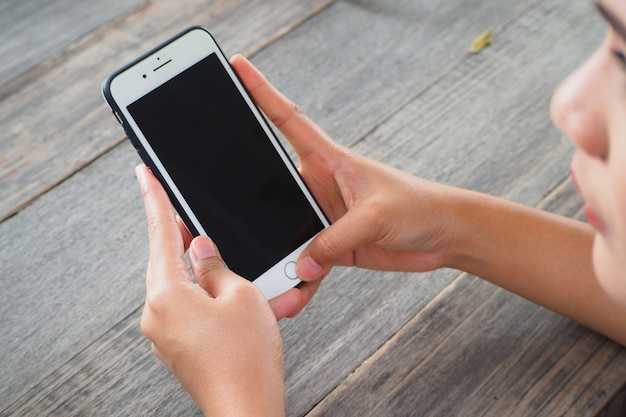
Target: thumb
(207, 265)
(335, 245)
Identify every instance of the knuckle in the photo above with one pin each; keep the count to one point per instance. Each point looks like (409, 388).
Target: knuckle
(246, 292)
(158, 301)
(327, 247)
(208, 266)
(159, 310)
(376, 210)
(294, 111)
(155, 226)
(147, 328)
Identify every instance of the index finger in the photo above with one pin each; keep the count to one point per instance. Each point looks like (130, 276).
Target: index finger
(303, 134)
(166, 242)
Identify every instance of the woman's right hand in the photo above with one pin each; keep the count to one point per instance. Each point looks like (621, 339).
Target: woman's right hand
(382, 218)
(217, 335)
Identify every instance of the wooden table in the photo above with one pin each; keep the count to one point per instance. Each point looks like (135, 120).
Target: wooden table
(391, 79)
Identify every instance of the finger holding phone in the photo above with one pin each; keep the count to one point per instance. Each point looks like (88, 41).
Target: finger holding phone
(218, 337)
(378, 222)
(386, 219)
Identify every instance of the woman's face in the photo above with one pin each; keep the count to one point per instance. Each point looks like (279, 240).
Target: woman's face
(590, 107)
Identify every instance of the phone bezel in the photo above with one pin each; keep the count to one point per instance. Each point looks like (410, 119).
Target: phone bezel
(160, 65)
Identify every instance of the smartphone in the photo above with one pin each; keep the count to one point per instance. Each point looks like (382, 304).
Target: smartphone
(225, 171)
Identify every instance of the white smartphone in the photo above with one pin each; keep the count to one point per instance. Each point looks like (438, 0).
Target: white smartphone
(193, 123)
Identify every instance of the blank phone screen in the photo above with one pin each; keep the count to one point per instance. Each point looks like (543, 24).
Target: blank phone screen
(226, 168)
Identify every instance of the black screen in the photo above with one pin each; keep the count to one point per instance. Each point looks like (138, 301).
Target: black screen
(226, 168)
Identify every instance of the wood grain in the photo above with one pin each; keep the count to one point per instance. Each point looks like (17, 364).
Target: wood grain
(362, 60)
(391, 80)
(102, 381)
(36, 30)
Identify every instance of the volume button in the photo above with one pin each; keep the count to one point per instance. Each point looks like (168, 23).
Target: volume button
(144, 157)
(119, 119)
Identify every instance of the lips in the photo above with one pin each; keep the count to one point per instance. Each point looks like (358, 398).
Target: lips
(594, 220)
(592, 217)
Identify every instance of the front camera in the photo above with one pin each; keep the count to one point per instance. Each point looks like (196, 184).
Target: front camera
(144, 76)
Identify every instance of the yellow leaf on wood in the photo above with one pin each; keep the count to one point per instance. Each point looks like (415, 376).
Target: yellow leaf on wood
(481, 41)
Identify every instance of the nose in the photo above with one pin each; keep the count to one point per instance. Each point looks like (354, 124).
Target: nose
(578, 106)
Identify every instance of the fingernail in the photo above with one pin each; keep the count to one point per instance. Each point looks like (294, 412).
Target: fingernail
(308, 268)
(203, 247)
(141, 176)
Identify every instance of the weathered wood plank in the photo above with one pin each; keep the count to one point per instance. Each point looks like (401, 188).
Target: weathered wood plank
(54, 120)
(35, 30)
(92, 383)
(500, 100)
(71, 270)
(355, 312)
(367, 58)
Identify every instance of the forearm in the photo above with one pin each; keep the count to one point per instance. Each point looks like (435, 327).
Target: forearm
(540, 256)
(258, 403)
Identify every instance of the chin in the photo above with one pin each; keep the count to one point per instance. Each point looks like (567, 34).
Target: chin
(610, 270)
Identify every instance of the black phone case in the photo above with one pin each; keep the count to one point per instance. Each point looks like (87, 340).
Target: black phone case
(106, 92)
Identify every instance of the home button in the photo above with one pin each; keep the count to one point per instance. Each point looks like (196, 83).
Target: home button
(290, 270)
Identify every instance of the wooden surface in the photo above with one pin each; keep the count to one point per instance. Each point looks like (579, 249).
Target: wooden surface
(394, 81)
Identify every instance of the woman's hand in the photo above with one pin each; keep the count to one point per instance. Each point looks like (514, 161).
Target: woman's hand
(219, 337)
(383, 218)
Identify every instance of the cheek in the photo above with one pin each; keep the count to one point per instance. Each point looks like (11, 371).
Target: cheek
(609, 269)
(609, 250)
(619, 193)
(617, 165)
